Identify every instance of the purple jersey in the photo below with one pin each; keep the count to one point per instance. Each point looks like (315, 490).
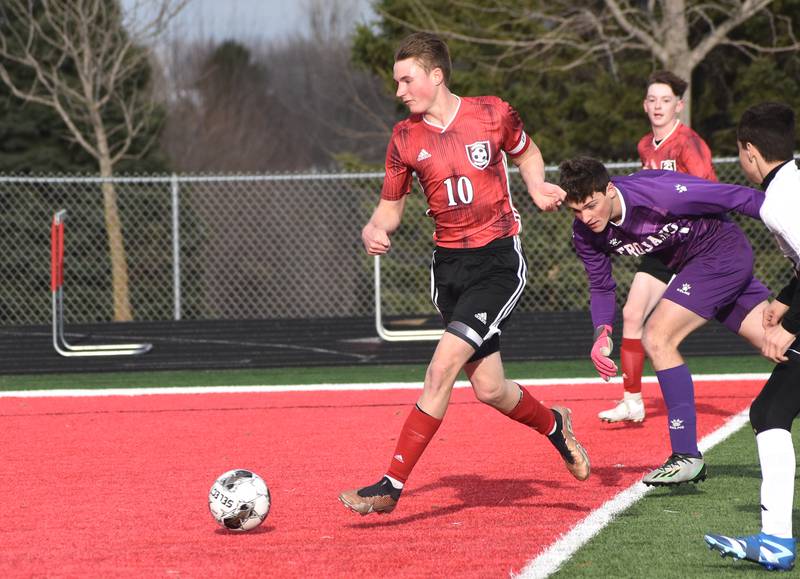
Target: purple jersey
(672, 215)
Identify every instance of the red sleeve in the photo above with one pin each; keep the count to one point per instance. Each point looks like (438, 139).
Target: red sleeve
(515, 141)
(696, 157)
(397, 181)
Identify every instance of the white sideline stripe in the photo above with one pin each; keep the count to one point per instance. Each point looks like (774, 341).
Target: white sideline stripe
(80, 392)
(560, 551)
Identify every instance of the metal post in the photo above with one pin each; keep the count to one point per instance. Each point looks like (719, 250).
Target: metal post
(176, 249)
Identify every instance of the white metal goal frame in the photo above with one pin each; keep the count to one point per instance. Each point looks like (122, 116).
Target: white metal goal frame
(384, 333)
(57, 289)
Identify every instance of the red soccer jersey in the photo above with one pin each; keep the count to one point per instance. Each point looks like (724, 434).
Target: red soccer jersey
(681, 150)
(462, 170)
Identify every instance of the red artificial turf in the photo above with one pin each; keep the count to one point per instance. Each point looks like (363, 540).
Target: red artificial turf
(117, 486)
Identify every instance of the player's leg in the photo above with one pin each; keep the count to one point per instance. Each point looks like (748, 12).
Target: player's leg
(646, 290)
(420, 426)
(667, 327)
(771, 416)
(718, 282)
(491, 387)
(458, 285)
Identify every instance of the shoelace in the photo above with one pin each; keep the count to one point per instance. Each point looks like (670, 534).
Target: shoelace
(675, 460)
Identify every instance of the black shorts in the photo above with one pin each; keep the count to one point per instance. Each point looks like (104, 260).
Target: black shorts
(655, 267)
(475, 290)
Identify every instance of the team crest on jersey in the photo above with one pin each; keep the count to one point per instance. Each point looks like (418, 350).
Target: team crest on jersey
(669, 165)
(479, 154)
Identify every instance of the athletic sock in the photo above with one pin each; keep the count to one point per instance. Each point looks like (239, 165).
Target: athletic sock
(776, 455)
(533, 413)
(557, 437)
(417, 432)
(677, 388)
(381, 488)
(632, 361)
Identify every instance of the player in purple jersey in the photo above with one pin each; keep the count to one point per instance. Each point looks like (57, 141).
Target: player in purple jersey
(679, 219)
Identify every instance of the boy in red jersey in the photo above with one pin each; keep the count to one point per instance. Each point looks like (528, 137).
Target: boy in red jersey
(457, 146)
(672, 146)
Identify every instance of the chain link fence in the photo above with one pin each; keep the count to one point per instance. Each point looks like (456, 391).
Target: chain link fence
(267, 246)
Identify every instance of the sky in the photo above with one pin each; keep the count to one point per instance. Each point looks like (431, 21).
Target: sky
(271, 20)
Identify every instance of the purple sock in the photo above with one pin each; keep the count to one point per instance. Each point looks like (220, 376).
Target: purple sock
(677, 389)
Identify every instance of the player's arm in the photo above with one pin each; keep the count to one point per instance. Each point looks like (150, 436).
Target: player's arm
(526, 155)
(384, 221)
(782, 316)
(387, 215)
(602, 300)
(694, 196)
(546, 196)
(784, 326)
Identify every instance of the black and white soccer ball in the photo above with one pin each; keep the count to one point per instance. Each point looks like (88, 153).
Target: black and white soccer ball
(239, 500)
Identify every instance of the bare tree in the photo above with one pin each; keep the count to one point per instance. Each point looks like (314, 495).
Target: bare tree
(570, 34)
(95, 42)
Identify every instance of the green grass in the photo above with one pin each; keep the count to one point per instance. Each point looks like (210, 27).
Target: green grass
(338, 375)
(662, 535)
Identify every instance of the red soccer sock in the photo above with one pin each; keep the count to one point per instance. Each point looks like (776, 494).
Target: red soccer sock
(533, 413)
(417, 432)
(632, 359)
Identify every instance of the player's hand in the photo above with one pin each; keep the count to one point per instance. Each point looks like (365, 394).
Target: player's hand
(376, 241)
(548, 197)
(777, 340)
(773, 314)
(601, 350)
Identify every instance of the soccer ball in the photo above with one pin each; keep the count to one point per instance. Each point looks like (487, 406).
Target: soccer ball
(239, 500)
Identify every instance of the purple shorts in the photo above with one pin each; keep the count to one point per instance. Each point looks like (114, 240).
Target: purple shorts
(719, 282)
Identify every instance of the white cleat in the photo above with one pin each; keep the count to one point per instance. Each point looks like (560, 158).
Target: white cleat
(629, 409)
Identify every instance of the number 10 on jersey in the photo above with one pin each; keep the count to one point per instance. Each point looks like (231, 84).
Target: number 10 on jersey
(463, 188)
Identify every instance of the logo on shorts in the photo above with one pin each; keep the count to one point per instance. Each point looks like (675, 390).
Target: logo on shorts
(478, 154)
(681, 188)
(669, 165)
(481, 317)
(686, 289)
(423, 154)
(676, 424)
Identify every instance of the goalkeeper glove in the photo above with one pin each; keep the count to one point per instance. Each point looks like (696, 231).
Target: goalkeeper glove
(601, 350)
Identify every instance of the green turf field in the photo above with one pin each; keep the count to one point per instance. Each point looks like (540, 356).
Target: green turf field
(660, 536)
(340, 374)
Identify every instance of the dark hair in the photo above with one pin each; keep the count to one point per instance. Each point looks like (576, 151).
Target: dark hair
(769, 127)
(676, 83)
(582, 177)
(430, 50)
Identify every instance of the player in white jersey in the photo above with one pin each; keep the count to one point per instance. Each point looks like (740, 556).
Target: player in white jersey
(766, 137)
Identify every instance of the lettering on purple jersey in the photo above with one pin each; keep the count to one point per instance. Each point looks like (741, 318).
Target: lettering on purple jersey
(650, 244)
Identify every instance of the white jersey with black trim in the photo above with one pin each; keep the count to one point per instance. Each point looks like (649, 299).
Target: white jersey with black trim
(781, 211)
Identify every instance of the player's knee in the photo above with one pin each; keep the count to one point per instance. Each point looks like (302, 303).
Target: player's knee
(632, 317)
(440, 376)
(766, 413)
(652, 343)
(489, 392)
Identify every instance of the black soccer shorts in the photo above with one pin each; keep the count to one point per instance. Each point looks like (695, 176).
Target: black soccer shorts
(475, 290)
(655, 267)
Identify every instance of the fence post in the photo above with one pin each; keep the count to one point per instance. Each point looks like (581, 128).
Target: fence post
(176, 249)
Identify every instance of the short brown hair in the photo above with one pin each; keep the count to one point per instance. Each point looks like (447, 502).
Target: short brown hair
(676, 83)
(582, 177)
(428, 49)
